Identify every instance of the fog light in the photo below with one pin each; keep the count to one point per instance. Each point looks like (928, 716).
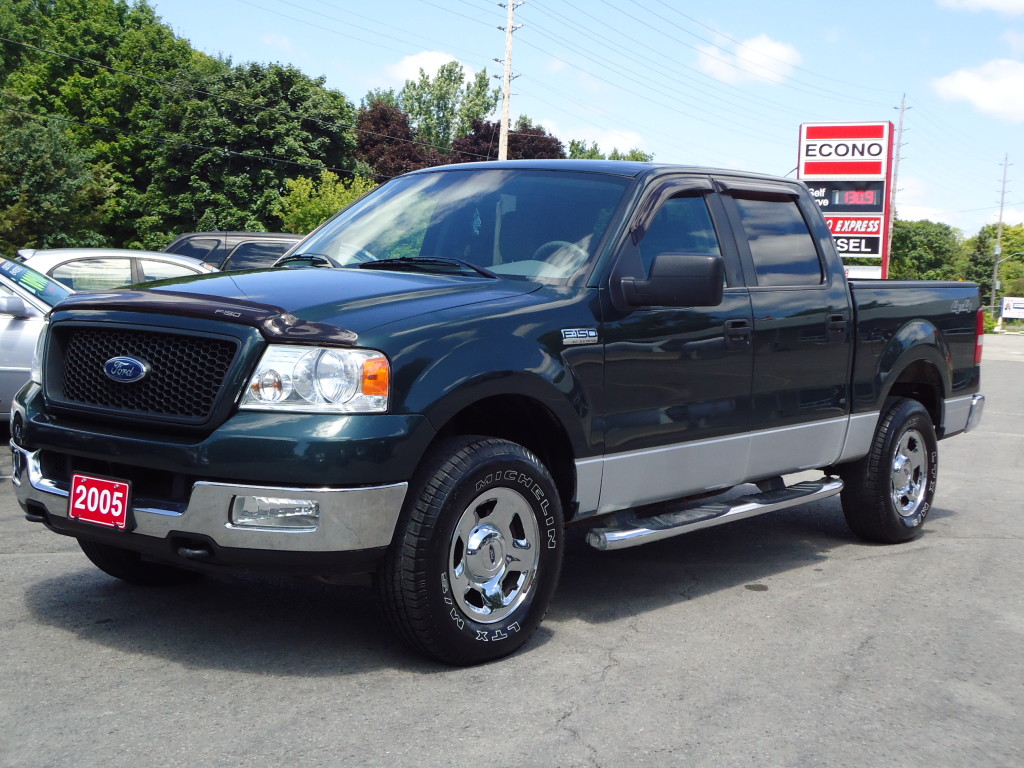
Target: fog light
(17, 466)
(268, 512)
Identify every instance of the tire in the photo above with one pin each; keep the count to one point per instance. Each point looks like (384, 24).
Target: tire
(129, 566)
(887, 495)
(477, 552)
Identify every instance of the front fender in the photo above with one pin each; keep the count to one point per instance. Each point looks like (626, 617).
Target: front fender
(476, 370)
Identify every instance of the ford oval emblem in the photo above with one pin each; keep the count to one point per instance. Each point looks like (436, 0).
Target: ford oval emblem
(125, 369)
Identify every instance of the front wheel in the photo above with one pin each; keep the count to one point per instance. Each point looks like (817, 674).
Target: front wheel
(888, 493)
(477, 553)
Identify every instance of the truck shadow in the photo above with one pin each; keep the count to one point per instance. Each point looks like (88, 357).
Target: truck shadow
(607, 586)
(285, 626)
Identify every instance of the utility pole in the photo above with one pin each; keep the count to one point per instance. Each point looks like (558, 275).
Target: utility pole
(999, 237)
(506, 91)
(895, 178)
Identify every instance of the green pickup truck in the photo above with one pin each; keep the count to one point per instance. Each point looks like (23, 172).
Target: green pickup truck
(473, 362)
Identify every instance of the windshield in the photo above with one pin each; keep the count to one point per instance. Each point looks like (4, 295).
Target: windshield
(528, 224)
(32, 282)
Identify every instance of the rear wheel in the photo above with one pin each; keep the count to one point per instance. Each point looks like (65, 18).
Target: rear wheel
(477, 553)
(126, 565)
(888, 493)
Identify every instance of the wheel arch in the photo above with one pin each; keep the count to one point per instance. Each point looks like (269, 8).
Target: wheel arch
(527, 421)
(916, 364)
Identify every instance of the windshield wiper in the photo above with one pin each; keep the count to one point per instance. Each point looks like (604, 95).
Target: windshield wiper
(314, 259)
(425, 263)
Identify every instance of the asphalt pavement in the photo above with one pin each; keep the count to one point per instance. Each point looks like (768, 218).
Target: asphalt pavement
(776, 641)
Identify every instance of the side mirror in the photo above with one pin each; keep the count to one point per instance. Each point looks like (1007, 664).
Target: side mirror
(678, 280)
(13, 305)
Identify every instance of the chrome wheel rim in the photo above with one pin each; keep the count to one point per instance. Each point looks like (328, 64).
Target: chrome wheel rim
(909, 473)
(494, 555)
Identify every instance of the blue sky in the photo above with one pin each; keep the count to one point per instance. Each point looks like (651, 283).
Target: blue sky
(724, 83)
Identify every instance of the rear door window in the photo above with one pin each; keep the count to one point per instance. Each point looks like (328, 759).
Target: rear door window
(253, 255)
(200, 248)
(163, 270)
(94, 274)
(781, 245)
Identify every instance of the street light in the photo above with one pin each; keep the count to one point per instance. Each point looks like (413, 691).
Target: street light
(995, 274)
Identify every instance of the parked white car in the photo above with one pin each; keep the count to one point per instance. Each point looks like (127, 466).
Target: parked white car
(100, 269)
(25, 298)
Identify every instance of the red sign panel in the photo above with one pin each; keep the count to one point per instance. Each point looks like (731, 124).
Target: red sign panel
(99, 500)
(841, 150)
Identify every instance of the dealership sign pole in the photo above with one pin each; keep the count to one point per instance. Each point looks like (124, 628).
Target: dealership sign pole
(848, 169)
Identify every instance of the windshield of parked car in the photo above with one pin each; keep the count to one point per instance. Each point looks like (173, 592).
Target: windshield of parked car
(32, 282)
(524, 224)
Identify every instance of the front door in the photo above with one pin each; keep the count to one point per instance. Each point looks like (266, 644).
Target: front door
(676, 408)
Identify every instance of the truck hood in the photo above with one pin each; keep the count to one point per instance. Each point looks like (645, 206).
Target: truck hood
(336, 304)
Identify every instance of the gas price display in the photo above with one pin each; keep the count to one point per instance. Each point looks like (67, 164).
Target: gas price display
(856, 197)
(849, 196)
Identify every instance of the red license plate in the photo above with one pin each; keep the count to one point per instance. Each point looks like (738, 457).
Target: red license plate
(99, 500)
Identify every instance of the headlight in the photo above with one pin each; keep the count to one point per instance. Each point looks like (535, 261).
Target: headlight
(319, 379)
(37, 357)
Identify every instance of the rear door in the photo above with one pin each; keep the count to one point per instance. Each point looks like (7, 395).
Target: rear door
(676, 408)
(802, 320)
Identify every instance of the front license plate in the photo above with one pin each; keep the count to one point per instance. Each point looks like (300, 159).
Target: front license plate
(99, 500)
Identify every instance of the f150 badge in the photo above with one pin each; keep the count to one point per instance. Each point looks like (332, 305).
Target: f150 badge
(573, 336)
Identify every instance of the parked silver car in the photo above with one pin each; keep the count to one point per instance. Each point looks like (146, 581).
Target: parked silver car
(25, 298)
(100, 269)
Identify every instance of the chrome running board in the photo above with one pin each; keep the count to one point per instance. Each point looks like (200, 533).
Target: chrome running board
(632, 531)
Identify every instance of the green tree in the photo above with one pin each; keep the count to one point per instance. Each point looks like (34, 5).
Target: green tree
(49, 195)
(187, 141)
(307, 203)
(978, 258)
(580, 150)
(444, 107)
(925, 250)
(230, 142)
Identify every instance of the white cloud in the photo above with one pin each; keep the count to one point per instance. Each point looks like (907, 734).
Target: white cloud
(994, 88)
(429, 61)
(279, 42)
(759, 59)
(1015, 40)
(1011, 7)
(554, 65)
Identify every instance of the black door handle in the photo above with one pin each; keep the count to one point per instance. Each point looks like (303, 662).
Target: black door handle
(738, 333)
(837, 326)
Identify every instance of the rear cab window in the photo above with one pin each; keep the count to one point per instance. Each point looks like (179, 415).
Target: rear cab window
(781, 246)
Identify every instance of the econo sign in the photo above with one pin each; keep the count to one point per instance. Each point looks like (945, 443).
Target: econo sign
(847, 168)
(844, 151)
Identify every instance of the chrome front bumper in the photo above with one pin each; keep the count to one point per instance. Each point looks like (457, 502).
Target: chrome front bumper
(350, 518)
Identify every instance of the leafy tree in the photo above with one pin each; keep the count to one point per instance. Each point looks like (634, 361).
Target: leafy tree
(308, 203)
(444, 107)
(387, 143)
(525, 142)
(978, 258)
(579, 150)
(924, 250)
(635, 154)
(188, 141)
(49, 196)
(248, 129)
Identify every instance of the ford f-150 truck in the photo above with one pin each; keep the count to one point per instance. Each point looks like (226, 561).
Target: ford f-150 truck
(507, 352)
